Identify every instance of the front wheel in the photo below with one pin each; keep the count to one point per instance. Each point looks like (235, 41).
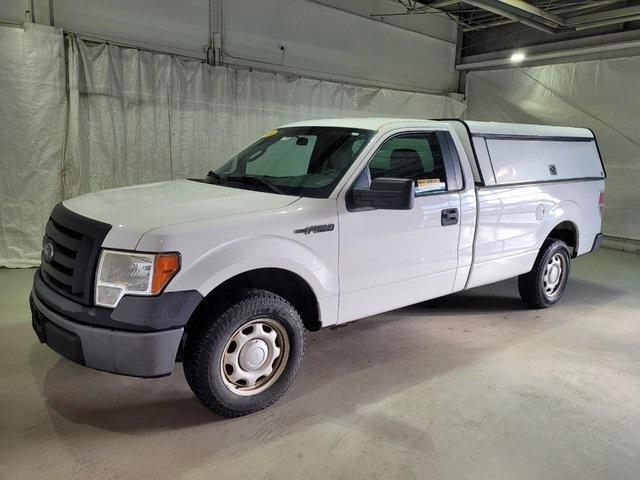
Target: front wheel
(245, 356)
(544, 285)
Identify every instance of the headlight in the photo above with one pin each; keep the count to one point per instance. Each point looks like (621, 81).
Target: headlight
(131, 273)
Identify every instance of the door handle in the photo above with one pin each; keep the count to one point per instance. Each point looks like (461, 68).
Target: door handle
(449, 216)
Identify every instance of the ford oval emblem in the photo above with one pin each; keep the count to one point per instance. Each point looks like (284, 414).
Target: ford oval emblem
(48, 251)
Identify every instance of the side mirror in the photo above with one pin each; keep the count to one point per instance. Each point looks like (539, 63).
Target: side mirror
(385, 193)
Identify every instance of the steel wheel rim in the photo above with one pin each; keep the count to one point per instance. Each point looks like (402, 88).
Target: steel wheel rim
(554, 275)
(254, 357)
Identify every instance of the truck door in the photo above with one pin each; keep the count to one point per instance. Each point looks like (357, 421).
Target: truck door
(392, 258)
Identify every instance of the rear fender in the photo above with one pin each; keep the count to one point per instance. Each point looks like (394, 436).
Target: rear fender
(566, 211)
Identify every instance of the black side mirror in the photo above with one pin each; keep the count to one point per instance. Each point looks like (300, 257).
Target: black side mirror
(385, 193)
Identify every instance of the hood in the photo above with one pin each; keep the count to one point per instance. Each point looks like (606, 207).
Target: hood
(132, 211)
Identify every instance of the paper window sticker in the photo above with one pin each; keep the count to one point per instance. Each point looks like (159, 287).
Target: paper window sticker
(430, 185)
(270, 133)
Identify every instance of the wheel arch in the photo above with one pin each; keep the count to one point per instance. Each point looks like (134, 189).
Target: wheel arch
(272, 263)
(562, 224)
(285, 283)
(567, 231)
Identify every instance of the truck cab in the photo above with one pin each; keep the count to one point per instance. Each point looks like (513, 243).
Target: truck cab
(316, 223)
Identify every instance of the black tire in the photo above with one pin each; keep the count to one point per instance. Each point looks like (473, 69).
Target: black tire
(532, 285)
(205, 346)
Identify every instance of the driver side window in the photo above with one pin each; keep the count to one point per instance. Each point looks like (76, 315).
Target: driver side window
(416, 156)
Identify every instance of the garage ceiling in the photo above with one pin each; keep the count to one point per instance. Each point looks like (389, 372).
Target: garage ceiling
(549, 16)
(490, 27)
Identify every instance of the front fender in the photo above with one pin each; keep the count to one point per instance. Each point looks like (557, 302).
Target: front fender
(244, 254)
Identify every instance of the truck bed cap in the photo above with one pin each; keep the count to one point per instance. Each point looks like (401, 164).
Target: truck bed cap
(522, 129)
(476, 128)
(366, 123)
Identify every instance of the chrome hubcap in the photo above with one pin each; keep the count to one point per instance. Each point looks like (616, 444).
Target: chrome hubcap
(255, 356)
(554, 275)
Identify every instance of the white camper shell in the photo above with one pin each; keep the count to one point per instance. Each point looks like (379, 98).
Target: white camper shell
(515, 153)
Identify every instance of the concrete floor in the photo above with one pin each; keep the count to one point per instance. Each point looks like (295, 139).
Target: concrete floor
(468, 386)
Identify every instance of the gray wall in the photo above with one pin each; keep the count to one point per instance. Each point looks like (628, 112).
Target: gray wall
(318, 40)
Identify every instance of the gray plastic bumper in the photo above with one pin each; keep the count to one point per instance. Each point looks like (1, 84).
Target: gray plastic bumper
(139, 354)
(597, 241)
(134, 313)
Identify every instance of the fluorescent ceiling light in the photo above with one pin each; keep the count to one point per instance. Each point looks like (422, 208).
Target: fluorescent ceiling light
(517, 56)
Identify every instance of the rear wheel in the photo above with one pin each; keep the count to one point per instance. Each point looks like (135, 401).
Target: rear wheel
(544, 285)
(245, 356)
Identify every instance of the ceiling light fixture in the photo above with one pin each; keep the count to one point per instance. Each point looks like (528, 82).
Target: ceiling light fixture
(517, 57)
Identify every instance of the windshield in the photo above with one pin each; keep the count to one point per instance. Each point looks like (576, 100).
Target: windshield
(301, 161)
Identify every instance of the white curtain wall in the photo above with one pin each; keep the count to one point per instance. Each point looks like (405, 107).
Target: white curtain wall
(136, 116)
(32, 121)
(603, 95)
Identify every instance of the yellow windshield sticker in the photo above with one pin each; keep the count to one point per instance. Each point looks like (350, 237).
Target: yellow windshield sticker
(270, 133)
(423, 182)
(430, 185)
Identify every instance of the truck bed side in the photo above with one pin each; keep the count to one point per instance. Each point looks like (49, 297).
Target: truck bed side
(529, 181)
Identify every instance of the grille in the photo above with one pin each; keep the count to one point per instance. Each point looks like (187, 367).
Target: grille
(76, 242)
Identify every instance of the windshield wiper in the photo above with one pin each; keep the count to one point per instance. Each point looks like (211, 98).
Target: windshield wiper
(255, 181)
(245, 179)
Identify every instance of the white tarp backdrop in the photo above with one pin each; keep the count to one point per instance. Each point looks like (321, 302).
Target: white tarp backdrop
(601, 95)
(32, 113)
(136, 116)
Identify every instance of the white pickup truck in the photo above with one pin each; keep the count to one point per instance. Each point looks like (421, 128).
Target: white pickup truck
(315, 224)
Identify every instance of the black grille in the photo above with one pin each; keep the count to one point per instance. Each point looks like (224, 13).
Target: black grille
(76, 242)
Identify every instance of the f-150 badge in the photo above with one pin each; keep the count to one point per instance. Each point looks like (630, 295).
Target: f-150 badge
(316, 229)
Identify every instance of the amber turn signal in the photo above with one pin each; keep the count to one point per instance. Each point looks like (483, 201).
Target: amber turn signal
(165, 266)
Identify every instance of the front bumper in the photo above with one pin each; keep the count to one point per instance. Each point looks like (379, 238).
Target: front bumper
(85, 335)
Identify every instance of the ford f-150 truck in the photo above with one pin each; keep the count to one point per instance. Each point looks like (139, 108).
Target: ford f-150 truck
(315, 224)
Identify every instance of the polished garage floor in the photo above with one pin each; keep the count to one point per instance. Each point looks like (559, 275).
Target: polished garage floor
(469, 386)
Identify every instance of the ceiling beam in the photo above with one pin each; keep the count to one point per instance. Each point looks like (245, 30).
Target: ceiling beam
(619, 13)
(525, 17)
(519, 9)
(545, 20)
(576, 7)
(497, 23)
(604, 23)
(545, 57)
(440, 4)
(520, 6)
(559, 9)
(430, 7)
